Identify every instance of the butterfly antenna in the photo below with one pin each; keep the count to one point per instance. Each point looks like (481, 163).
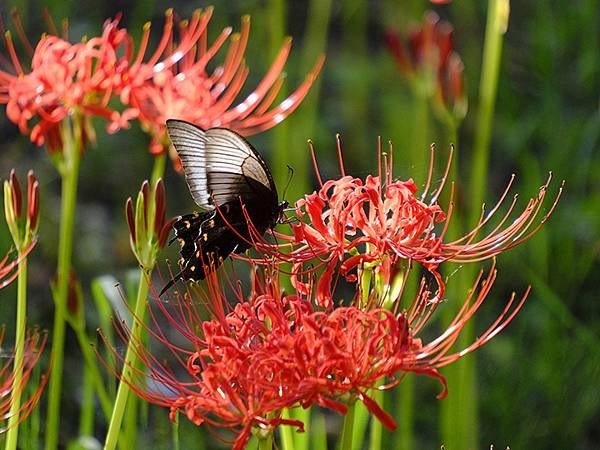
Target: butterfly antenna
(289, 180)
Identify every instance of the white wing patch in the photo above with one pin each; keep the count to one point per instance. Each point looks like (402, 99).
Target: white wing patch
(217, 162)
(190, 143)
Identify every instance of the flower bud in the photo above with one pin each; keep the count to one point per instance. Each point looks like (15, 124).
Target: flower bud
(148, 227)
(23, 234)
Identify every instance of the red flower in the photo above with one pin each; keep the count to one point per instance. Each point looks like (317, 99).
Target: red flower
(427, 58)
(187, 91)
(380, 222)
(34, 344)
(273, 351)
(63, 78)
(82, 78)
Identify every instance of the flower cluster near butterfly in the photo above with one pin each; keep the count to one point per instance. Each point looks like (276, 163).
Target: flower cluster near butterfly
(278, 349)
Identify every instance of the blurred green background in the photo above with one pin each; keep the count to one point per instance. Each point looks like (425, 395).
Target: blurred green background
(538, 383)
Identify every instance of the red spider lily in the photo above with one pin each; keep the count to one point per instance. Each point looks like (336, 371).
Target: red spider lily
(380, 222)
(428, 59)
(187, 91)
(34, 345)
(65, 78)
(274, 351)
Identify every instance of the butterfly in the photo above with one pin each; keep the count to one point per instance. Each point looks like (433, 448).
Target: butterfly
(224, 174)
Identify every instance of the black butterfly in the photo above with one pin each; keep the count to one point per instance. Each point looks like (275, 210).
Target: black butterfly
(223, 172)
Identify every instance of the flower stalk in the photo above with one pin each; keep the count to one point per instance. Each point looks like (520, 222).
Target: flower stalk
(347, 428)
(460, 430)
(68, 166)
(24, 236)
(148, 234)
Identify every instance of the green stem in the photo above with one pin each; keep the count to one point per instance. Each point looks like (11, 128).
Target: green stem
(158, 169)
(287, 439)
(130, 359)
(130, 423)
(376, 435)
(266, 443)
(347, 428)
(86, 418)
(404, 437)
(497, 22)
(93, 374)
(69, 173)
(301, 439)
(459, 411)
(175, 432)
(17, 385)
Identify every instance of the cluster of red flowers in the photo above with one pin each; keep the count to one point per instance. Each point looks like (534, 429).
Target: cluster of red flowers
(172, 82)
(428, 59)
(275, 350)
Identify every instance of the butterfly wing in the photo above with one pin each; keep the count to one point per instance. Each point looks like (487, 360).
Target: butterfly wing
(222, 170)
(220, 166)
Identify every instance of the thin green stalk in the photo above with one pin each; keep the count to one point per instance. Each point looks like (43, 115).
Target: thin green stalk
(130, 423)
(376, 435)
(69, 174)
(17, 386)
(459, 415)
(497, 23)
(34, 420)
(158, 169)
(175, 432)
(93, 373)
(266, 443)
(287, 439)
(361, 420)
(404, 437)
(86, 418)
(301, 440)
(319, 431)
(130, 359)
(346, 442)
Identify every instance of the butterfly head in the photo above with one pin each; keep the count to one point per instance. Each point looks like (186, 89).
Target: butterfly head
(279, 216)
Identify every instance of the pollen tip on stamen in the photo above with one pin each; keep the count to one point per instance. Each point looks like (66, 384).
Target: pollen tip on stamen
(147, 26)
(169, 12)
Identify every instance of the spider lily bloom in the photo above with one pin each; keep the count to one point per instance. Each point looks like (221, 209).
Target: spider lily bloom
(187, 91)
(64, 78)
(239, 369)
(379, 222)
(82, 78)
(34, 345)
(428, 60)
